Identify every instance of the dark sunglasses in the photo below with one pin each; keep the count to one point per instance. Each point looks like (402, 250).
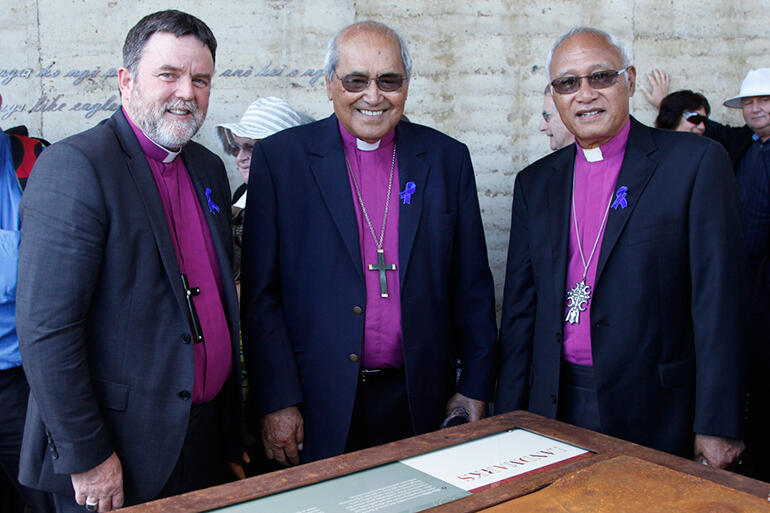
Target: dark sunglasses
(597, 80)
(695, 118)
(387, 82)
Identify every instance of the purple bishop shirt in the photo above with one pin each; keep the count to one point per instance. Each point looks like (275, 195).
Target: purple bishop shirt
(370, 164)
(594, 185)
(198, 260)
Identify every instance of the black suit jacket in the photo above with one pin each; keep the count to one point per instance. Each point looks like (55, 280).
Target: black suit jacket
(101, 315)
(303, 288)
(666, 326)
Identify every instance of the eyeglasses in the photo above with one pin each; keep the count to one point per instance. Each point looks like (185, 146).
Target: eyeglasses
(235, 148)
(597, 80)
(387, 82)
(696, 118)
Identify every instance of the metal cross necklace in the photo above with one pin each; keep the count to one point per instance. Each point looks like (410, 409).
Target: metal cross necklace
(579, 295)
(380, 266)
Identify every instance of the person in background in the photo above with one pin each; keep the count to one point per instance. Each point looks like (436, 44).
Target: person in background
(552, 125)
(18, 153)
(749, 149)
(684, 111)
(263, 118)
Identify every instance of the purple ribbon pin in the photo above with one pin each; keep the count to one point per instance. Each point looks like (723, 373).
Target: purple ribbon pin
(620, 198)
(406, 195)
(213, 207)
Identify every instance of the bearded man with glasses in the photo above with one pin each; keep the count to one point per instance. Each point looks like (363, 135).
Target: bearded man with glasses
(365, 272)
(622, 303)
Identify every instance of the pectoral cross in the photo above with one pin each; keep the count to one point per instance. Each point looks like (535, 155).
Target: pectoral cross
(195, 324)
(382, 267)
(577, 301)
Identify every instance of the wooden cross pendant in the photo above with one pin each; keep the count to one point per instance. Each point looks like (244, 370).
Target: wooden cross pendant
(381, 267)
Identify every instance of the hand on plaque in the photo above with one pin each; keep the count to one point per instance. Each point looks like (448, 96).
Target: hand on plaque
(283, 432)
(717, 451)
(476, 409)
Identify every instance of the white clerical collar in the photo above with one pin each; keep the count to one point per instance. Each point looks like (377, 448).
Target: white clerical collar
(365, 146)
(170, 155)
(593, 154)
(241, 203)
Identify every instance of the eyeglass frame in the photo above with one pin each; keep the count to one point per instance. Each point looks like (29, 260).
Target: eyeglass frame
(369, 81)
(615, 74)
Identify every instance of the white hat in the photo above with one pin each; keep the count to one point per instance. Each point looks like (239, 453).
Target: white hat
(756, 83)
(263, 118)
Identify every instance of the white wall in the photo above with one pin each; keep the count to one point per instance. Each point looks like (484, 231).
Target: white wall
(478, 72)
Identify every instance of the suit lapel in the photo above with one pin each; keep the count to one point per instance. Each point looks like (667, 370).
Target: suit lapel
(148, 192)
(559, 201)
(329, 170)
(638, 166)
(412, 167)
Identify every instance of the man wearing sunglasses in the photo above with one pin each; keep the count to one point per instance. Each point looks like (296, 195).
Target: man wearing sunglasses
(621, 310)
(365, 273)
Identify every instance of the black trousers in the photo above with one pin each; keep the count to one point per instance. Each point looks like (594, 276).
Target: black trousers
(14, 394)
(578, 402)
(381, 412)
(202, 462)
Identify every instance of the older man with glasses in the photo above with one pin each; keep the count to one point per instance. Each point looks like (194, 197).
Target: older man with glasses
(622, 303)
(365, 273)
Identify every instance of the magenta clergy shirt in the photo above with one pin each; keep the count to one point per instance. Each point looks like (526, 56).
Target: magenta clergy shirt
(382, 322)
(197, 259)
(595, 184)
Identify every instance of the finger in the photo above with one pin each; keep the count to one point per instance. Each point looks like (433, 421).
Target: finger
(80, 498)
(105, 504)
(237, 470)
(292, 452)
(280, 457)
(117, 499)
(92, 503)
(246, 458)
(268, 452)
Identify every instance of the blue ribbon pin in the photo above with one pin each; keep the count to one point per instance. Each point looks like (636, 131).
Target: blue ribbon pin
(213, 207)
(620, 198)
(406, 195)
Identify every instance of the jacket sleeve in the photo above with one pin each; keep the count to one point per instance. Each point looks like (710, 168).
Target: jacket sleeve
(63, 231)
(474, 293)
(718, 270)
(270, 363)
(518, 316)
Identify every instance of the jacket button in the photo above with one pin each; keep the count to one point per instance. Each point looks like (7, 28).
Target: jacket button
(185, 394)
(353, 357)
(358, 310)
(553, 398)
(558, 338)
(186, 338)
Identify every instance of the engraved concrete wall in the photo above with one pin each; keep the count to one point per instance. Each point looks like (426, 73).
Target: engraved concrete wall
(478, 74)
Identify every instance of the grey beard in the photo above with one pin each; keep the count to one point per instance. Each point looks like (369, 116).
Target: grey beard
(169, 134)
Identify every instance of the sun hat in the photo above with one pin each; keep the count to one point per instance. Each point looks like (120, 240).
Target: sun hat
(756, 83)
(263, 118)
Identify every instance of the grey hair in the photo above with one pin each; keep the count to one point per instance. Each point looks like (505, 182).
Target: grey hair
(332, 48)
(611, 39)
